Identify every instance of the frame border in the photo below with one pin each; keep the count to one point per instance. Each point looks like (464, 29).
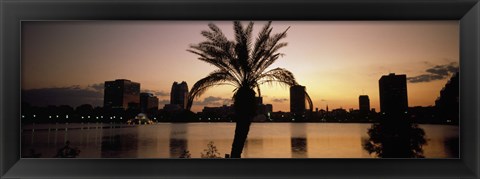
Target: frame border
(14, 11)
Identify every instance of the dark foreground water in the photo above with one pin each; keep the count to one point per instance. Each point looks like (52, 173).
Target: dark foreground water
(265, 140)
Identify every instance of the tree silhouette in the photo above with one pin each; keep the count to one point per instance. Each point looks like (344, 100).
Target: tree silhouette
(242, 64)
(392, 138)
(211, 151)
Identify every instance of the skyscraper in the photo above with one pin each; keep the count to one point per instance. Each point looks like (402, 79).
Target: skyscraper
(148, 102)
(297, 101)
(364, 103)
(179, 94)
(121, 93)
(393, 95)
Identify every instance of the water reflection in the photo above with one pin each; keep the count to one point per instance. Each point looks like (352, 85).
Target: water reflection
(452, 147)
(119, 144)
(298, 141)
(394, 138)
(266, 140)
(67, 151)
(178, 141)
(254, 145)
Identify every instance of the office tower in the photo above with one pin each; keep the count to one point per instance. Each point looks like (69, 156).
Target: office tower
(121, 93)
(393, 95)
(148, 102)
(179, 94)
(297, 101)
(261, 108)
(269, 108)
(364, 103)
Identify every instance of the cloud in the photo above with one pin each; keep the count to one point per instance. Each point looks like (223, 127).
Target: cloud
(438, 72)
(213, 101)
(97, 86)
(279, 100)
(72, 96)
(425, 78)
(156, 92)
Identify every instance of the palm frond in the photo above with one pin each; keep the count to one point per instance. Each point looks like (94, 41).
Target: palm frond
(258, 90)
(242, 47)
(270, 54)
(218, 51)
(217, 77)
(279, 75)
(263, 36)
(240, 62)
(218, 55)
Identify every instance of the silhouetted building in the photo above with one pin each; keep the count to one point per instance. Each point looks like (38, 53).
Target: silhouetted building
(364, 104)
(297, 101)
(172, 107)
(222, 113)
(339, 114)
(422, 114)
(121, 93)
(148, 102)
(281, 116)
(447, 104)
(179, 94)
(393, 95)
(269, 108)
(263, 110)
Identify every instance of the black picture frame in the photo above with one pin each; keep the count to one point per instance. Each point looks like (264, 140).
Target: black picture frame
(14, 11)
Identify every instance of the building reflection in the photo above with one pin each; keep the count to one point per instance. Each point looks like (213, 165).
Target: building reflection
(298, 141)
(178, 141)
(116, 144)
(395, 139)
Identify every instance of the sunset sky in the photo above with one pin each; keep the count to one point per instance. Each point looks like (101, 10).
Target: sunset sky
(67, 62)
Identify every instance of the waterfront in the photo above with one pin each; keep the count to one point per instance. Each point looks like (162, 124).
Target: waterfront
(265, 140)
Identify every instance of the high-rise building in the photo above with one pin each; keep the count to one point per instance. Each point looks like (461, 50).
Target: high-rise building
(179, 94)
(393, 95)
(269, 108)
(121, 93)
(264, 109)
(297, 101)
(148, 102)
(364, 103)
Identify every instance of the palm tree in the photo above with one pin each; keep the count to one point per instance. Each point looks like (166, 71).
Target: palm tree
(242, 64)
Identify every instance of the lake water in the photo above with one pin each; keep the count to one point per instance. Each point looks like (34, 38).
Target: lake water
(265, 140)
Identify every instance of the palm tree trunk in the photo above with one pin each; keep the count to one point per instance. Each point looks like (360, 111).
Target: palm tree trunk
(245, 109)
(241, 132)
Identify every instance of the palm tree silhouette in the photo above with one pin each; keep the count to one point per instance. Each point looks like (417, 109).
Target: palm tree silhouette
(242, 64)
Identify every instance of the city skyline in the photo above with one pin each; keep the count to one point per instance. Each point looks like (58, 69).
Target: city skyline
(336, 61)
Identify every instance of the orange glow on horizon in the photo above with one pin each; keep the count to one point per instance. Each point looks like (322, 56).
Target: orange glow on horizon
(336, 60)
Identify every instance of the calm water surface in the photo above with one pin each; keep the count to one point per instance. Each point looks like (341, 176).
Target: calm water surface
(265, 140)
